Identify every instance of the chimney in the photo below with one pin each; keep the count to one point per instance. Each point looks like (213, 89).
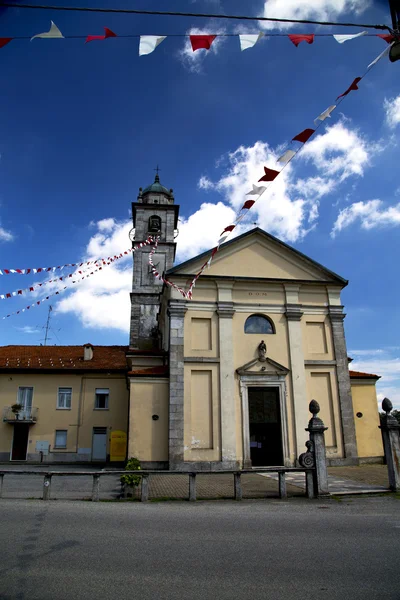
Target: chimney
(87, 352)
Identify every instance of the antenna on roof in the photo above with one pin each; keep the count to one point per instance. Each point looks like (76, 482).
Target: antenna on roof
(48, 329)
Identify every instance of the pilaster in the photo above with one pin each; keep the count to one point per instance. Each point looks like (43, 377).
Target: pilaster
(343, 377)
(294, 314)
(176, 312)
(225, 313)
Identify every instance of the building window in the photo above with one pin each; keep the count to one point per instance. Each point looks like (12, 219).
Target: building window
(154, 224)
(61, 438)
(64, 398)
(25, 395)
(101, 402)
(259, 324)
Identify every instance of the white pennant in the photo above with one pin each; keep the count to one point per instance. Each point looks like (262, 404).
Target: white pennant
(257, 191)
(344, 38)
(53, 32)
(382, 54)
(284, 159)
(324, 115)
(248, 40)
(148, 43)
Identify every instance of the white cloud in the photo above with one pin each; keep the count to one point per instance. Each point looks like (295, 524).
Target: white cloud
(201, 230)
(28, 329)
(5, 236)
(392, 110)
(316, 10)
(369, 214)
(106, 224)
(205, 183)
(384, 362)
(387, 368)
(193, 60)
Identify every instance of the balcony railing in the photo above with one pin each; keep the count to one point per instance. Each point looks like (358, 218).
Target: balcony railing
(25, 415)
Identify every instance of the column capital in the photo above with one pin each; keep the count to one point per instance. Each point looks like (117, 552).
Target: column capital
(293, 312)
(336, 313)
(225, 310)
(177, 308)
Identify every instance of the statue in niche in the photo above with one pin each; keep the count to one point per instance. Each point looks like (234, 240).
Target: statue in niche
(154, 224)
(262, 351)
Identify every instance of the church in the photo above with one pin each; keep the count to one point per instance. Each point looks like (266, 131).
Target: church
(221, 381)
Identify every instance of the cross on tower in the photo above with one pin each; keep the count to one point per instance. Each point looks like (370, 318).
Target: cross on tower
(157, 169)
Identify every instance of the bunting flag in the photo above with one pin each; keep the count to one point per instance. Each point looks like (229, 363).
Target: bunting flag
(352, 36)
(296, 39)
(201, 41)
(4, 41)
(381, 55)
(353, 87)
(53, 32)
(257, 190)
(388, 37)
(107, 34)
(326, 114)
(148, 43)
(248, 40)
(304, 136)
(286, 157)
(269, 175)
(69, 265)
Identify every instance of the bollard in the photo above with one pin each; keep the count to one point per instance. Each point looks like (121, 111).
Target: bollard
(237, 486)
(282, 484)
(96, 488)
(47, 486)
(1, 485)
(310, 485)
(192, 487)
(144, 496)
(390, 429)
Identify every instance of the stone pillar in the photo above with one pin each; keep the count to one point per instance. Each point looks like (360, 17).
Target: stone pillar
(391, 443)
(298, 373)
(227, 386)
(317, 429)
(176, 312)
(344, 389)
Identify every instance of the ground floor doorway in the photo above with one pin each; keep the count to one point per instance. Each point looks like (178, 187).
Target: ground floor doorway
(20, 441)
(99, 445)
(265, 427)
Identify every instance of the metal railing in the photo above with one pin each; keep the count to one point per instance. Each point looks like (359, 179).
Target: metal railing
(145, 477)
(24, 415)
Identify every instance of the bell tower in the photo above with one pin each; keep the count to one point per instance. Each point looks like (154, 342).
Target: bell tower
(153, 214)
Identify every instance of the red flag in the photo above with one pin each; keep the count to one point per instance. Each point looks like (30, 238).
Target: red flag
(353, 87)
(201, 41)
(4, 41)
(229, 228)
(270, 175)
(248, 204)
(107, 33)
(388, 37)
(296, 39)
(303, 136)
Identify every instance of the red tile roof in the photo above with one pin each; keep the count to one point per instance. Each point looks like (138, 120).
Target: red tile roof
(360, 375)
(55, 358)
(160, 371)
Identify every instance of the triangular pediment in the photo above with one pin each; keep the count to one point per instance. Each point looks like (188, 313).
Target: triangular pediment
(257, 254)
(262, 367)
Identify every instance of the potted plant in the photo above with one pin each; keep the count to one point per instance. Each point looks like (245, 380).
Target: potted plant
(16, 408)
(131, 481)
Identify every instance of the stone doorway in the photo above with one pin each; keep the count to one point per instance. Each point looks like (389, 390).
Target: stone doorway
(265, 427)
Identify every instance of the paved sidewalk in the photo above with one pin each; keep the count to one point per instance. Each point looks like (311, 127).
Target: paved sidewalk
(373, 478)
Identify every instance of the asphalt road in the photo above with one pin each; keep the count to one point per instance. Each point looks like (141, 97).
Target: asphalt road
(252, 550)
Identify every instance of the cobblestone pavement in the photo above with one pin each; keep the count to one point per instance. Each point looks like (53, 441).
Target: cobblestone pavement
(346, 479)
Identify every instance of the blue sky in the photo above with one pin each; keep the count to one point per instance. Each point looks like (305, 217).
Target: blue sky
(83, 126)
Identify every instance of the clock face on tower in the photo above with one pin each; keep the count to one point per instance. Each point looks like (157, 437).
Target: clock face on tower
(147, 274)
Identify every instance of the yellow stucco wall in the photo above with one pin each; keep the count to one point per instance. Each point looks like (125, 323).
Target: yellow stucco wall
(369, 439)
(148, 439)
(78, 421)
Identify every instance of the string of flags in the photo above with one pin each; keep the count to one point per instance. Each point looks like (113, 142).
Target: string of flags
(148, 43)
(267, 178)
(99, 263)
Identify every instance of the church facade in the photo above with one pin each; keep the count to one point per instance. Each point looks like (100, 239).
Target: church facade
(222, 381)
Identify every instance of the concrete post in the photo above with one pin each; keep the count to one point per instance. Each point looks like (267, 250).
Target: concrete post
(282, 484)
(316, 429)
(47, 486)
(176, 311)
(1, 485)
(192, 487)
(96, 488)
(145, 489)
(238, 486)
(391, 443)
